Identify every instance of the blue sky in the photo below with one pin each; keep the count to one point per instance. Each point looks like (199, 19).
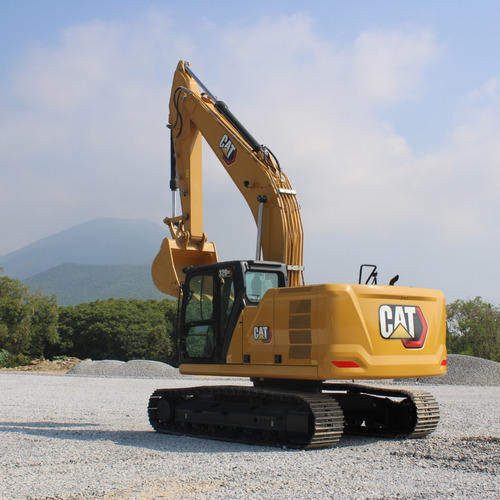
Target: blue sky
(384, 115)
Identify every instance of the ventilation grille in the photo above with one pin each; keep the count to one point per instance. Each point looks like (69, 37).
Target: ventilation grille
(299, 329)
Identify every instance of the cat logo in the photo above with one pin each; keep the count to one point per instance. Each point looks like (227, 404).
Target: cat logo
(406, 323)
(228, 150)
(262, 333)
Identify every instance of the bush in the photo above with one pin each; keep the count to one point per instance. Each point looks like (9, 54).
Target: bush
(28, 321)
(4, 356)
(8, 360)
(474, 329)
(118, 329)
(32, 325)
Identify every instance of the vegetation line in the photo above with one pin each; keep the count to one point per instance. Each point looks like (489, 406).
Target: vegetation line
(33, 324)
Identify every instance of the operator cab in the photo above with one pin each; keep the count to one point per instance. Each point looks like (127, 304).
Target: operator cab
(213, 298)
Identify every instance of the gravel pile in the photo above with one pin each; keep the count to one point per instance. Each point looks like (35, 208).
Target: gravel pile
(135, 368)
(466, 370)
(462, 370)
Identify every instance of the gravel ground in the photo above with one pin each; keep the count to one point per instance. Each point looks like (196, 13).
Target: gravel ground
(74, 437)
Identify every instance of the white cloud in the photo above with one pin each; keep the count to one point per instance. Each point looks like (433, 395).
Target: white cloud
(487, 91)
(85, 126)
(93, 103)
(314, 104)
(387, 66)
(65, 78)
(84, 133)
(463, 174)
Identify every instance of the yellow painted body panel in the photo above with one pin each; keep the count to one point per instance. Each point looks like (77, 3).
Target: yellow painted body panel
(250, 371)
(338, 331)
(261, 351)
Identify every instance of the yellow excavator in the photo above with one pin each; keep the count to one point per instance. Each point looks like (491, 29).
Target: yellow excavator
(300, 345)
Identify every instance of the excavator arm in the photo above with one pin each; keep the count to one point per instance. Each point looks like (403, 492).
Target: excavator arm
(194, 114)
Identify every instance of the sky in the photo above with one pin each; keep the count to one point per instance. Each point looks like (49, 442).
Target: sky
(385, 115)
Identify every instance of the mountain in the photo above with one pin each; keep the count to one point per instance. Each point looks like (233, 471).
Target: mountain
(99, 259)
(76, 283)
(98, 242)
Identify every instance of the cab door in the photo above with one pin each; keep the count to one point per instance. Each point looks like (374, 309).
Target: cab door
(209, 314)
(198, 319)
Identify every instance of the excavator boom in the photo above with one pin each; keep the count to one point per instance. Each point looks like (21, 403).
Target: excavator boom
(252, 167)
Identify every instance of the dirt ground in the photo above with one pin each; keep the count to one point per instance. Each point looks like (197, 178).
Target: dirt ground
(42, 365)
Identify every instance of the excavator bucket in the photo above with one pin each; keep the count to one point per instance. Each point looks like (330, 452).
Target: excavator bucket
(173, 257)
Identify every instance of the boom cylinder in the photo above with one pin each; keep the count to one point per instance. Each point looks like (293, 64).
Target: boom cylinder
(262, 198)
(223, 109)
(174, 182)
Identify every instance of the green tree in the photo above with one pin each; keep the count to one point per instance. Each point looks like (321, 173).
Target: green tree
(118, 329)
(14, 316)
(43, 328)
(474, 328)
(28, 323)
(161, 342)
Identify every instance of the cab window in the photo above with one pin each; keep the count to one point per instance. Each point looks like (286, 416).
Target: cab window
(258, 283)
(200, 298)
(199, 317)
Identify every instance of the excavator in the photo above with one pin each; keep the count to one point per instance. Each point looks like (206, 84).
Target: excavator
(305, 348)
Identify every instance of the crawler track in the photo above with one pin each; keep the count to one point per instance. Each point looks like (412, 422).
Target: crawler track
(385, 411)
(248, 415)
(281, 417)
